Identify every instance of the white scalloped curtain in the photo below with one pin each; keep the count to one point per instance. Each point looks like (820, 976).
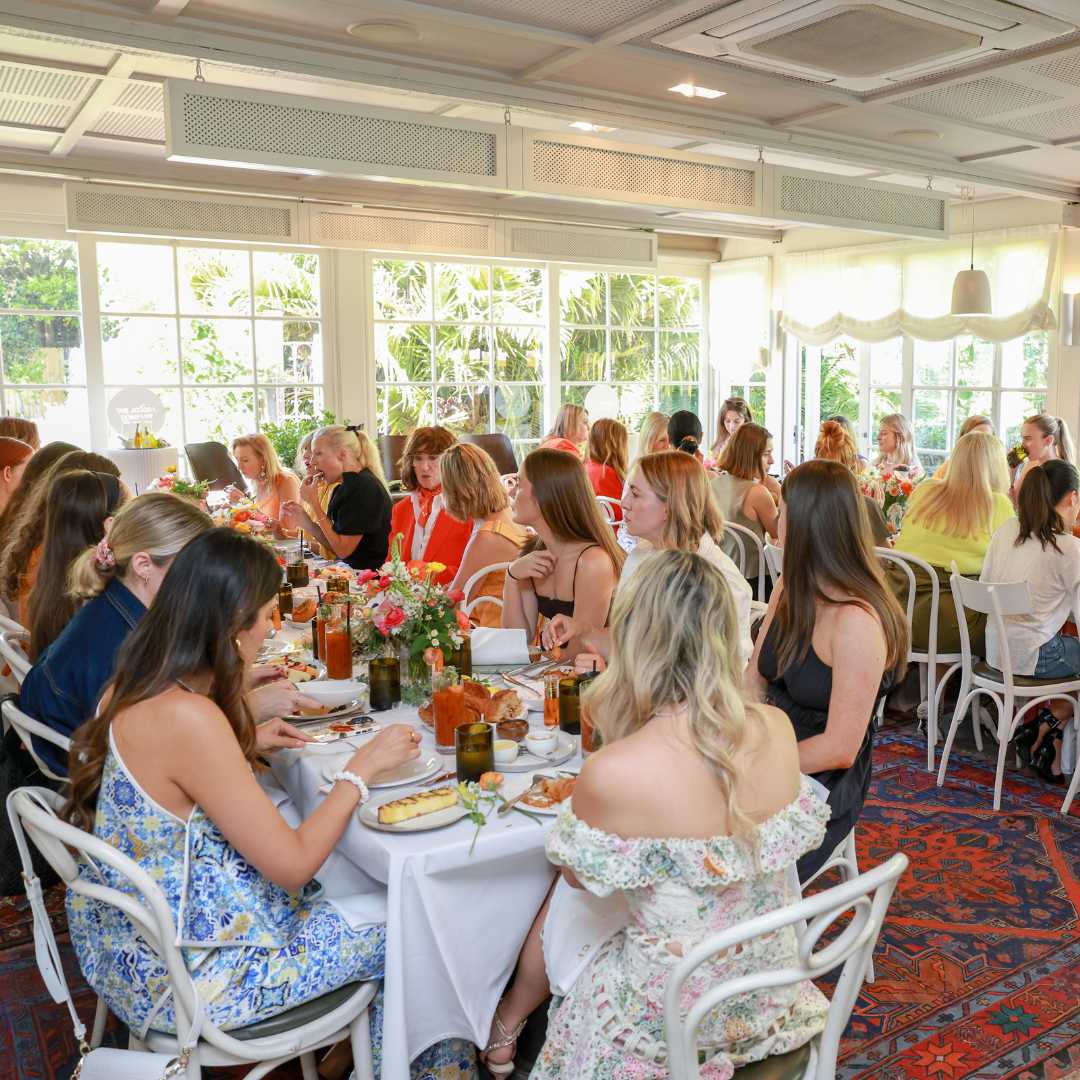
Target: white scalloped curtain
(879, 292)
(739, 316)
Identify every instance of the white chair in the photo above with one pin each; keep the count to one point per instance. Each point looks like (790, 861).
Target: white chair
(866, 897)
(774, 560)
(27, 726)
(467, 604)
(12, 626)
(612, 508)
(743, 537)
(13, 652)
(298, 1033)
(980, 679)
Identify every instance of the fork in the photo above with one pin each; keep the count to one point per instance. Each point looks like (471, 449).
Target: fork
(511, 803)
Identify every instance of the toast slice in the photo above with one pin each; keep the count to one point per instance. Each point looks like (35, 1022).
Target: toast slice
(413, 806)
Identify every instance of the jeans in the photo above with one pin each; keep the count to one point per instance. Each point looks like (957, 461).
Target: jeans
(1059, 658)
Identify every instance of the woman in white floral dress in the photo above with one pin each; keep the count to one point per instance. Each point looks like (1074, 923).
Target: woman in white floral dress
(696, 812)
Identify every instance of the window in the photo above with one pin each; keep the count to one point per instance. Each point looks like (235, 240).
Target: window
(630, 343)
(43, 370)
(223, 339)
(462, 345)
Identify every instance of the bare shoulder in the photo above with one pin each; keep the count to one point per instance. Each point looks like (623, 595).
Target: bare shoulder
(855, 621)
(608, 779)
(191, 716)
(595, 560)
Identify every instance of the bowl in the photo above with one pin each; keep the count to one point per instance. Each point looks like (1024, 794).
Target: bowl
(541, 742)
(506, 750)
(334, 691)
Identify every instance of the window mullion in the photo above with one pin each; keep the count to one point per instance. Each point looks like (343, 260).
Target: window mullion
(92, 350)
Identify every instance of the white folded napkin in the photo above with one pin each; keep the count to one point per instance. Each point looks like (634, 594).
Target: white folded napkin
(491, 645)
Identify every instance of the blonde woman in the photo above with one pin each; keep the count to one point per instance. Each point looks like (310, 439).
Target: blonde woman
(896, 447)
(652, 435)
(473, 491)
(668, 505)
(673, 719)
(1045, 438)
(355, 525)
(952, 520)
(270, 484)
(571, 430)
(975, 422)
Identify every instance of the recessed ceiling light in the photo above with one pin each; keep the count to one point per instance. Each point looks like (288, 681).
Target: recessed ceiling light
(385, 32)
(690, 90)
(916, 135)
(584, 125)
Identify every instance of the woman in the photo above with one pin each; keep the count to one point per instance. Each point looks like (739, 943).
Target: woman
(116, 580)
(652, 435)
(1045, 438)
(668, 505)
(429, 532)
(77, 514)
(166, 773)
(271, 484)
(745, 492)
(355, 526)
(303, 468)
(36, 467)
(833, 641)
(474, 492)
(1038, 547)
(571, 431)
(975, 422)
(14, 456)
(896, 447)
(733, 414)
(572, 564)
(14, 427)
(834, 443)
(606, 461)
(952, 520)
(684, 433)
(673, 719)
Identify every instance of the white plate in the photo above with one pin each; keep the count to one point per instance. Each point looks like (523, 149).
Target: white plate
(516, 787)
(345, 711)
(369, 816)
(565, 748)
(412, 772)
(275, 648)
(335, 691)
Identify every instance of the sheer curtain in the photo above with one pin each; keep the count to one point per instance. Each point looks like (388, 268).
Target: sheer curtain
(880, 292)
(739, 297)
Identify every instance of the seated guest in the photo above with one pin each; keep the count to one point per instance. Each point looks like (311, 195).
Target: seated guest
(355, 526)
(271, 485)
(166, 773)
(975, 422)
(606, 460)
(474, 492)
(14, 456)
(952, 520)
(684, 433)
(652, 436)
(117, 581)
(745, 492)
(77, 515)
(734, 412)
(1038, 547)
(834, 640)
(572, 564)
(35, 468)
(896, 448)
(668, 505)
(429, 532)
(673, 719)
(571, 431)
(302, 466)
(1044, 438)
(14, 427)
(834, 443)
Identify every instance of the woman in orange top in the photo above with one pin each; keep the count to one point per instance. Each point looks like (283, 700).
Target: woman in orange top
(429, 532)
(606, 464)
(473, 490)
(274, 485)
(571, 430)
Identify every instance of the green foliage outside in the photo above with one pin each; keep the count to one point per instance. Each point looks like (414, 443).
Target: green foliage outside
(287, 435)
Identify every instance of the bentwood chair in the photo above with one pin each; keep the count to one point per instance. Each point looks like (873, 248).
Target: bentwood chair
(298, 1033)
(866, 897)
(391, 448)
(610, 508)
(498, 447)
(774, 560)
(467, 605)
(28, 729)
(746, 540)
(13, 652)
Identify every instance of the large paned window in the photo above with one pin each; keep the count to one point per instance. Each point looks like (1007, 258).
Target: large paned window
(43, 370)
(227, 339)
(463, 345)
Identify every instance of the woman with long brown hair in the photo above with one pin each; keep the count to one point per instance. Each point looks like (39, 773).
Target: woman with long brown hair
(734, 412)
(834, 443)
(37, 465)
(606, 460)
(833, 641)
(572, 564)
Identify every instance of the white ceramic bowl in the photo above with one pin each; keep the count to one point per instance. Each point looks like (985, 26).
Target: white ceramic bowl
(334, 691)
(506, 751)
(541, 742)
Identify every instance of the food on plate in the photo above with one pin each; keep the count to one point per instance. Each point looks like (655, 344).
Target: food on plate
(505, 751)
(476, 694)
(492, 705)
(304, 611)
(297, 670)
(413, 806)
(512, 729)
(489, 781)
(427, 714)
(344, 729)
(313, 712)
(549, 793)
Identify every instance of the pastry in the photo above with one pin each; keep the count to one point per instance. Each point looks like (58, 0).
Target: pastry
(512, 729)
(476, 694)
(505, 705)
(427, 714)
(551, 792)
(412, 806)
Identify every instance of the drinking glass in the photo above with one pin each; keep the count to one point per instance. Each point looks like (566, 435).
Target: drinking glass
(569, 705)
(384, 682)
(337, 645)
(297, 574)
(448, 706)
(461, 658)
(551, 699)
(475, 751)
(284, 599)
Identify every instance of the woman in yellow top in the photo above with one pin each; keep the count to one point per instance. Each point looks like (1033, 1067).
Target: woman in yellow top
(952, 520)
(302, 466)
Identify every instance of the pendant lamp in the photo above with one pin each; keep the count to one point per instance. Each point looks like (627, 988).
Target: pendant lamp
(971, 289)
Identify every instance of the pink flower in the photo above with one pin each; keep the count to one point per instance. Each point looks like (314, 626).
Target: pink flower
(367, 575)
(455, 596)
(462, 619)
(384, 582)
(394, 618)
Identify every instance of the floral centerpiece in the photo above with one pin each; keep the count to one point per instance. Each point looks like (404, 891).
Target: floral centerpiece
(891, 490)
(189, 489)
(243, 516)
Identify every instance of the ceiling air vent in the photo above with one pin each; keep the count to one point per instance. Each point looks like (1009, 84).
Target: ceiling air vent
(565, 243)
(99, 208)
(390, 230)
(587, 169)
(288, 133)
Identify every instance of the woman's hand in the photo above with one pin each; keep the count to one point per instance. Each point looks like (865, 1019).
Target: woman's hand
(234, 493)
(275, 734)
(393, 746)
(559, 631)
(264, 673)
(295, 516)
(537, 564)
(277, 697)
(309, 489)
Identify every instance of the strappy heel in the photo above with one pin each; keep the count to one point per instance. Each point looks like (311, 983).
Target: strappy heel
(503, 1039)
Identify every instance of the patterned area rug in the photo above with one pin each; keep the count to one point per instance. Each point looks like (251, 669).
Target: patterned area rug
(978, 967)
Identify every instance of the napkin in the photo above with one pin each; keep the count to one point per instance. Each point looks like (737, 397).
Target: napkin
(491, 646)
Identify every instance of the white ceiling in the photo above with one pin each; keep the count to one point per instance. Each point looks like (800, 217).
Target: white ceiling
(80, 82)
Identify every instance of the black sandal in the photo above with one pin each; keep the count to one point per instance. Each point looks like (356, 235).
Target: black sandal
(1043, 760)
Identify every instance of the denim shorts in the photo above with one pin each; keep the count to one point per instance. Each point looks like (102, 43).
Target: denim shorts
(1059, 658)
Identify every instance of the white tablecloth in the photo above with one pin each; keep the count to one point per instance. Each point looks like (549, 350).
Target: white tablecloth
(455, 922)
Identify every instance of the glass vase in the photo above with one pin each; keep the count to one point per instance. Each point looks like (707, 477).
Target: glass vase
(415, 678)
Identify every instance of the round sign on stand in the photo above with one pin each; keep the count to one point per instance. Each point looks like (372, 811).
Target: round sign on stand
(133, 407)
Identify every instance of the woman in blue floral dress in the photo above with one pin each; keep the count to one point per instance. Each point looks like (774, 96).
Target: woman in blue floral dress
(165, 773)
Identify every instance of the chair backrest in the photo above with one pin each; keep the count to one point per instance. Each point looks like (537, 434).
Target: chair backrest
(211, 461)
(474, 580)
(391, 448)
(995, 600)
(608, 508)
(774, 560)
(26, 726)
(866, 897)
(748, 536)
(499, 447)
(887, 555)
(14, 652)
(11, 625)
(922, 567)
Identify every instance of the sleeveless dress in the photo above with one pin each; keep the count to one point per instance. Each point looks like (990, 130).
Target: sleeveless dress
(491, 584)
(730, 493)
(253, 948)
(610, 1026)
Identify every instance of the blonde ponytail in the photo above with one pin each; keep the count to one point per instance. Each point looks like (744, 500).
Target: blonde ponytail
(355, 442)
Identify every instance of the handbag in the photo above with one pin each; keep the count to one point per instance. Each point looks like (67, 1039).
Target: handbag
(104, 1063)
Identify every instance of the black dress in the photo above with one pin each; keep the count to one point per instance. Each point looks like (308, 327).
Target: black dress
(360, 506)
(803, 692)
